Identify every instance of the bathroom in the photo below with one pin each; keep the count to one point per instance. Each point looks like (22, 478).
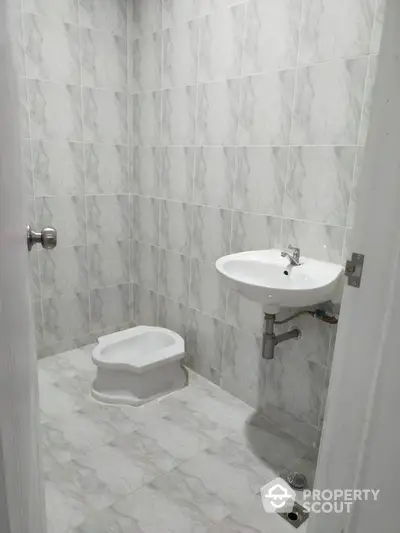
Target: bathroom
(158, 136)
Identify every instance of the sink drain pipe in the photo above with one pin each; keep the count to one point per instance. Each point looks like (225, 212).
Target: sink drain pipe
(270, 340)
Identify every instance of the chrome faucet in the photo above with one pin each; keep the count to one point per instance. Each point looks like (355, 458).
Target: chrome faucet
(294, 257)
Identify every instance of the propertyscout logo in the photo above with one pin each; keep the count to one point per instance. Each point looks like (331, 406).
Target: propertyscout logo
(336, 501)
(278, 496)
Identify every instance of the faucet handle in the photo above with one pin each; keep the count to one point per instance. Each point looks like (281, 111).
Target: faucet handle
(296, 252)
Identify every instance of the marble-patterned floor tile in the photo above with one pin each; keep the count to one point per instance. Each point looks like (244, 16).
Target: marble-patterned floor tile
(270, 443)
(71, 436)
(189, 492)
(252, 518)
(139, 447)
(69, 365)
(110, 415)
(230, 472)
(192, 462)
(229, 413)
(117, 471)
(75, 482)
(54, 402)
(177, 440)
(107, 521)
(153, 511)
(63, 512)
(178, 413)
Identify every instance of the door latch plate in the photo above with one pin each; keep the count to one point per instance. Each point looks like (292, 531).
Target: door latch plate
(354, 269)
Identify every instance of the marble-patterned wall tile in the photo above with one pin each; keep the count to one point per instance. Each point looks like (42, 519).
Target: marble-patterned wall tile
(354, 194)
(27, 168)
(217, 114)
(254, 232)
(31, 211)
(328, 103)
(143, 306)
(211, 233)
(173, 276)
(244, 314)
(314, 345)
(177, 168)
(145, 219)
(108, 264)
(172, 315)
(107, 218)
(146, 118)
(204, 345)
(266, 108)
(104, 60)
(36, 310)
(65, 10)
(315, 240)
(214, 176)
(319, 183)
(63, 271)
(106, 169)
(178, 116)
(331, 32)
(109, 306)
(366, 111)
(283, 377)
(208, 291)
(242, 376)
(144, 16)
(144, 265)
(39, 7)
(221, 44)
(58, 168)
(260, 180)
(23, 115)
(55, 111)
(175, 226)
(144, 57)
(66, 317)
(176, 12)
(51, 50)
(18, 49)
(105, 116)
(146, 170)
(107, 15)
(180, 55)
(269, 50)
(205, 7)
(34, 276)
(378, 26)
(67, 214)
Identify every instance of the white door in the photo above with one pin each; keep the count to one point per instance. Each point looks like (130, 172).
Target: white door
(22, 507)
(361, 437)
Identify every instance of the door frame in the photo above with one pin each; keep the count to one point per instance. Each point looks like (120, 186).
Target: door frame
(22, 503)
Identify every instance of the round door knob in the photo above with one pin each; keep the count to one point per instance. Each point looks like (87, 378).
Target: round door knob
(47, 238)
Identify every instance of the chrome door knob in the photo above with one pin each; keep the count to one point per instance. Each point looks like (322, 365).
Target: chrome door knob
(47, 238)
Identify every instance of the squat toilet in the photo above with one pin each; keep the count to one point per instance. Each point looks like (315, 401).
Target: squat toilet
(138, 365)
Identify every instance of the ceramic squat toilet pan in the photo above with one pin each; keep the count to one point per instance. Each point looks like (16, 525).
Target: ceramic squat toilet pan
(138, 365)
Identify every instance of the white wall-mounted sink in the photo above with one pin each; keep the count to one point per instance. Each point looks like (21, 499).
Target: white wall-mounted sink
(268, 278)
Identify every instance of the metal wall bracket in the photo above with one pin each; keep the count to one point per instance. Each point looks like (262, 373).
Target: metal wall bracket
(354, 270)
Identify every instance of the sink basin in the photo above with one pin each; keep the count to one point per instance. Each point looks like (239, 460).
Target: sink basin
(266, 277)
